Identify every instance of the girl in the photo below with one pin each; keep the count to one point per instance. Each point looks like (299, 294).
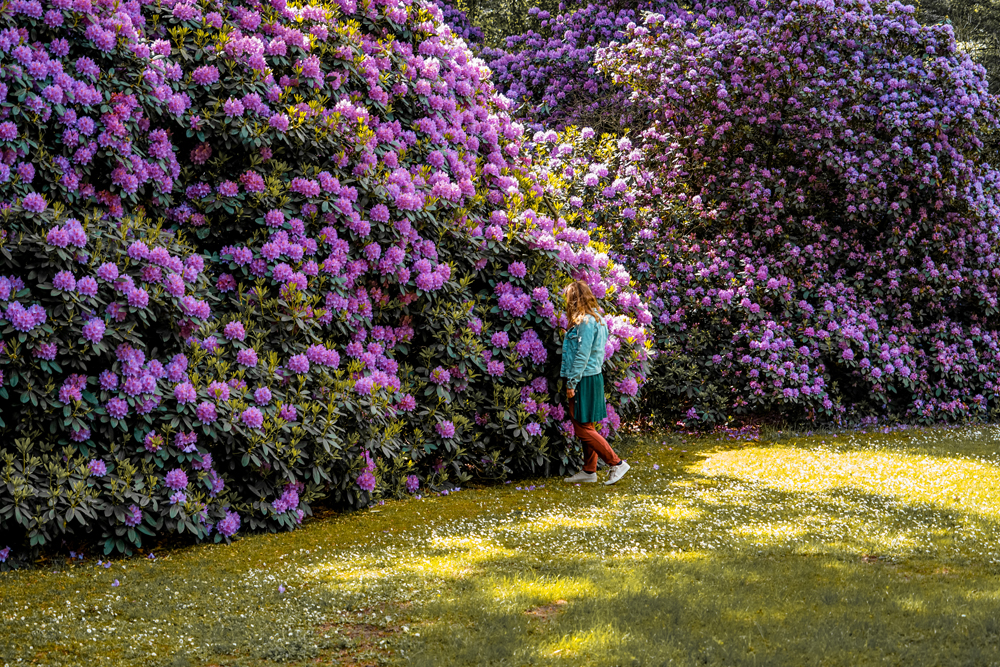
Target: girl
(583, 358)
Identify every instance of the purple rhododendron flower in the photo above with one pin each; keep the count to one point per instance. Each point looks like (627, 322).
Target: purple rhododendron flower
(229, 525)
(97, 468)
(133, 516)
(279, 121)
(517, 269)
(299, 363)
(412, 484)
(274, 218)
(205, 412)
(185, 393)
(288, 500)
(252, 417)
(366, 481)
(93, 330)
(234, 331)
(108, 272)
(186, 443)
(34, 202)
(233, 108)
(137, 297)
(205, 75)
(108, 380)
(247, 357)
(219, 391)
(445, 429)
(48, 351)
(628, 387)
(86, 286)
(117, 408)
(176, 479)
(440, 376)
(64, 281)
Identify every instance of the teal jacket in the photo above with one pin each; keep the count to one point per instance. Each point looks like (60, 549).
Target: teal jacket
(583, 350)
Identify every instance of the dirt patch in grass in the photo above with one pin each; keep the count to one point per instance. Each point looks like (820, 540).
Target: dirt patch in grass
(546, 613)
(360, 644)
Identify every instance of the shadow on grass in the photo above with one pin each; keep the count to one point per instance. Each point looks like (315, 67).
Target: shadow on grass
(729, 611)
(756, 576)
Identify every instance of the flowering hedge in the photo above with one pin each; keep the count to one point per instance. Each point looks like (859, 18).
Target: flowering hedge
(822, 237)
(254, 256)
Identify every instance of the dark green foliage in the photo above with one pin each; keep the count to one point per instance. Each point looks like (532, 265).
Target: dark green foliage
(500, 19)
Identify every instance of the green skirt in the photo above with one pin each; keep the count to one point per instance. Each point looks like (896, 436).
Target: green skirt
(590, 406)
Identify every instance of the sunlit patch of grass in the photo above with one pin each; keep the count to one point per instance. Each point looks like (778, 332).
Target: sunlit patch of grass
(850, 549)
(673, 513)
(560, 521)
(519, 592)
(944, 481)
(600, 640)
(766, 533)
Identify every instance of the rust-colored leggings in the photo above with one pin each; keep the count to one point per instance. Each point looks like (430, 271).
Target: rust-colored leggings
(594, 444)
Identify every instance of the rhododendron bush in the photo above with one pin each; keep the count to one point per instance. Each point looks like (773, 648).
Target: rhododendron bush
(551, 72)
(815, 228)
(257, 255)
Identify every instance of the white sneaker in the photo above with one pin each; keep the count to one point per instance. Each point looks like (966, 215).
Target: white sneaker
(582, 477)
(617, 472)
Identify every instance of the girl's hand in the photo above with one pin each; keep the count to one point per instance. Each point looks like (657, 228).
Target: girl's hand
(570, 393)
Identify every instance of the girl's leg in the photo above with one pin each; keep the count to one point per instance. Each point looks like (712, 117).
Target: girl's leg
(589, 455)
(594, 445)
(601, 447)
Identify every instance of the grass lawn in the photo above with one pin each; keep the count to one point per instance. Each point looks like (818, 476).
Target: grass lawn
(857, 549)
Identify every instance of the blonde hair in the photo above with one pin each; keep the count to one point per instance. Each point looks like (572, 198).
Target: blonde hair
(580, 301)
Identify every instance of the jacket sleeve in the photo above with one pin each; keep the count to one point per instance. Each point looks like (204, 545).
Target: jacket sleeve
(583, 351)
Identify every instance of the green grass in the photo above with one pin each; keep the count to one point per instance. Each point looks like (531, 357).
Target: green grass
(858, 549)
